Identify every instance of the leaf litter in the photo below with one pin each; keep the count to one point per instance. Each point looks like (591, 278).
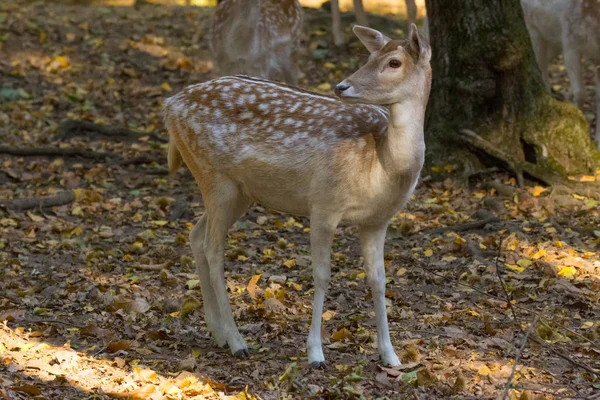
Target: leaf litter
(82, 319)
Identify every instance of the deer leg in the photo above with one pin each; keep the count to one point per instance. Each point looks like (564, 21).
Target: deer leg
(573, 66)
(597, 136)
(211, 309)
(361, 16)
(543, 55)
(222, 212)
(322, 228)
(411, 11)
(336, 26)
(372, 243)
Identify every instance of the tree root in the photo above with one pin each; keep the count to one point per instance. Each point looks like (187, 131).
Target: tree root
(71, 128)
(515, 165)
(41, 202)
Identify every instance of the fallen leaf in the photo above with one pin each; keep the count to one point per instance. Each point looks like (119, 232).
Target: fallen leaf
(251, 288)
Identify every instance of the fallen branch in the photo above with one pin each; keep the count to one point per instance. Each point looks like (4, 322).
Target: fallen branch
(56, 151)
(152, 267)
(46, 321)
(29, 203)
(70, 128)
(463, 227)
(514, 367)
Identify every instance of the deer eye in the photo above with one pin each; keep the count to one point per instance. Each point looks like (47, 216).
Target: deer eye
(395, 63)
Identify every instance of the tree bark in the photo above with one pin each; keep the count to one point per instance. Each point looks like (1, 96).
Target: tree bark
(488, 97)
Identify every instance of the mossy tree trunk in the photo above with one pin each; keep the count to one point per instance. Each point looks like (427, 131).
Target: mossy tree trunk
(488, 97)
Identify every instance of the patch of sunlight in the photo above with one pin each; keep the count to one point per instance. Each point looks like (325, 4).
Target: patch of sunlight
(36, 367)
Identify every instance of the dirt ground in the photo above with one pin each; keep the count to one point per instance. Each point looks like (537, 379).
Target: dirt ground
(99, 297)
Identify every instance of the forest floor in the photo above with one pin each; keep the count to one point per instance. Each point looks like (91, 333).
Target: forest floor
(99, 298)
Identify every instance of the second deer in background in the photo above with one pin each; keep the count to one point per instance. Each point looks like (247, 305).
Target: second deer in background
(361, 17)
(257, 38)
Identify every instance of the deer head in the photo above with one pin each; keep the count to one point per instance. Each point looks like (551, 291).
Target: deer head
(394, 71)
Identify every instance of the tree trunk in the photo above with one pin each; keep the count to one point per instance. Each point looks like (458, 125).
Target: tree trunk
(488, 97)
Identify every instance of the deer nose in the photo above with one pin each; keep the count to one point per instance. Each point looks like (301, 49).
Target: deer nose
(340, 87)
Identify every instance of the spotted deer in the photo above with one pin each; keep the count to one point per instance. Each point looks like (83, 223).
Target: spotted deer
(361, 17)
(357, 160)
(258, 38)
(570, 27)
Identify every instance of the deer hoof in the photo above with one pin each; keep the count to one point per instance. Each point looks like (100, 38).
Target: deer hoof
(318, 365)
(242, 353)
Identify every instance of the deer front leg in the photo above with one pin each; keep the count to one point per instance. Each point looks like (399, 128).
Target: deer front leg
(597, 136)
(372, 242)
(573, 66)
(322, 229)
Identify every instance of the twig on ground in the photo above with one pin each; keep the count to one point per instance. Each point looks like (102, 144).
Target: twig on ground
(46, 321)
(514, 367)
(58, 152)
(463, 227)
(499, 274)
(152, 267)
(29, 203)
(71, 128)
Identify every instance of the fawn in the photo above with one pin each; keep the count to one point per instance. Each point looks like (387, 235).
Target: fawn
(573, 28)
(246, 139)
(361, 18)
(258, 38)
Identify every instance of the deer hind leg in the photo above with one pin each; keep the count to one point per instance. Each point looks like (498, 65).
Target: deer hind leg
(544, 54)
(211, 308)
(597, 136)
(573, 66)
(322, 228)
(224, 205)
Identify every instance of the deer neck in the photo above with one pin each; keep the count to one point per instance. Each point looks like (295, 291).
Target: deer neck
(402, 150)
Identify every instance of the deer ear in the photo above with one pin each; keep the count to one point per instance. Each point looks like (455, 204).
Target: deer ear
(372, 39)
(419, 44)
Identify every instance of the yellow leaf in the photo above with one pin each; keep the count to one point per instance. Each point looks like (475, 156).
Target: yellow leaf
(484, 370)
(559, 244)
(35, 218)
(537, 190)
(341, 335)
(242, 258)
(578, 197)
(539, 254)
(515, 268)
(166, 87)
(587, 178)
(159, 223)
(251, 288)
(428, 253)
(77, 211)
(329, 65)
(324, 86)
(195, 353)
(567, 272)
(290, 263)
(401, 271)
(327, 315)
(587, 325)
